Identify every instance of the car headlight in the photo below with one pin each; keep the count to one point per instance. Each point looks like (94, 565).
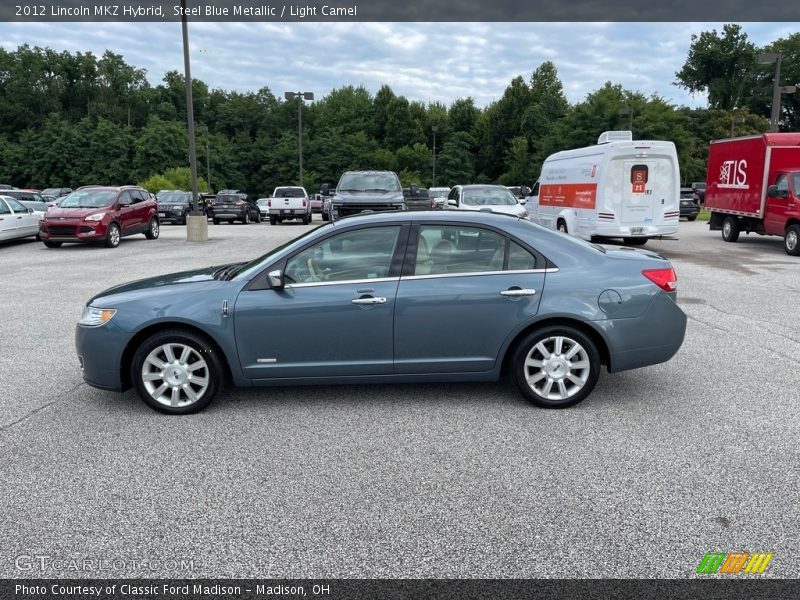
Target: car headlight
(94, 317)
(95, 217)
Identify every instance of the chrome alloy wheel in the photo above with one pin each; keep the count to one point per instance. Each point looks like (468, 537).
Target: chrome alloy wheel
(175, 375)
(114, 236)
(557, 368)
(791, 240)
(726, 228)
(154, 228)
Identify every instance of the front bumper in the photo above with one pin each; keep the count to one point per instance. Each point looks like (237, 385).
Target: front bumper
(83, 231)
(168, 216)
(99, 352)
(690, 211)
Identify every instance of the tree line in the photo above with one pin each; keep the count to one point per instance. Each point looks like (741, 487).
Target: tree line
(69, 119)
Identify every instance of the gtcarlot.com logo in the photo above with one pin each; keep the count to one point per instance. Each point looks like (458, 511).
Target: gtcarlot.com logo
(44, 562)
(734, 563)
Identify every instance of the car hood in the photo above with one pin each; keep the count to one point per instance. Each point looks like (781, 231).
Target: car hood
(508, 209)
(57, 212)
(161, 281)
(368, 197)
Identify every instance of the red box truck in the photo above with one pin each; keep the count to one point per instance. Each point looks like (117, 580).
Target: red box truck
(753, 185)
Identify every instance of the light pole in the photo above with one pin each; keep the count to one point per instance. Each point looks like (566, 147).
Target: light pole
(208, 163)
(627, 111)
(189, 106)
(767, 59)
(300, 97)
(736, 121)
(435, 128)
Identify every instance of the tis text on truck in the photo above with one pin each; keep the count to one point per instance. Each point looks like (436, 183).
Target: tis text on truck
(619, 188)
(753, 185)
(289, 202)
(366, 192)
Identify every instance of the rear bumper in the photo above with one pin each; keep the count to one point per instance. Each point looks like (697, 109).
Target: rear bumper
(288, 212)
(226, 215)
(653, 338)
(690, 211)
(616, 231)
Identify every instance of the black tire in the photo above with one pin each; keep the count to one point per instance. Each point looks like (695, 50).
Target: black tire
(562, 226)
(201, 348)
(113, 236)
(791, 241)
(558, 369)
(49, 244)
(691, 218)
(730, 229)
(153, 229)
(215, 221)
(634, 241)
(273, 220)
(246, 220)
(305, 219)
(325, 216)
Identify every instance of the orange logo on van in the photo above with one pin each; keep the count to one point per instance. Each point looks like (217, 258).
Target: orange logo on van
(568, 195)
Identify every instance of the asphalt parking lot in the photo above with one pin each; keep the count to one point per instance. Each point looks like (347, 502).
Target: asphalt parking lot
(656, 468)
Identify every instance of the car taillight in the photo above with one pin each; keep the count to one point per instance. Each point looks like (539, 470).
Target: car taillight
(270, 203)
(666, 279)
(305, 202)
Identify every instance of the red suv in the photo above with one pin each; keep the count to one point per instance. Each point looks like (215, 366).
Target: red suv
(101, 214)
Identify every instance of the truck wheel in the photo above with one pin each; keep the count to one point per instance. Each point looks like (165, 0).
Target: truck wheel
(791, 241)
(325, 216)
(273, 220)
(562, 226)
(730, 229)
(215, 221)
(691, 218)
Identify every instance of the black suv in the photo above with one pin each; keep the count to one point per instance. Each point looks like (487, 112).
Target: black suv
(689, 205)
(233, 205)
(174, 206)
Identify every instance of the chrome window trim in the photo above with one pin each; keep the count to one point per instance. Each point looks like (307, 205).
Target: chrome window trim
(290, 286)
(479, 273)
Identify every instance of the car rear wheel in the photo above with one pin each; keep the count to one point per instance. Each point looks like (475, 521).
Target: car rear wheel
(556, 367)
(634, 241)
(325, 216)
(791, 241)
(153, 229)
(113, 236)
(176, 372)
(273, 220)
(49, 244)
(562, 226)
(246, 219)
(690, 218)
(730, 229)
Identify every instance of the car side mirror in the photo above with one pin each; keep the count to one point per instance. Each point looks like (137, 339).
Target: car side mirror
(526, 191)
(452, 202)
(523, 200)
(124, 204)
(276, 279)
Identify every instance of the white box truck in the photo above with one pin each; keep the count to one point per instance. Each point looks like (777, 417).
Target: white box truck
(619, 188)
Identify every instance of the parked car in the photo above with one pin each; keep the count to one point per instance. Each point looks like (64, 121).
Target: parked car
(16, 220)
(366, 192)
(491, 198)
(263, 207)
(316, 203)
(699, 189)
(390, 298)
(416, 198)
(289, 202)
(26, 195)
(174, 206)
(39, 208)
(57, 191)
(233, 205)
(689, 205)
(438, 196)
(326, 192)
(101, 214)
(5, 186)
(519, 191)
(754, 186)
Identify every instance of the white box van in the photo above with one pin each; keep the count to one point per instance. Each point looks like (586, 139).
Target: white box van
(619, 188)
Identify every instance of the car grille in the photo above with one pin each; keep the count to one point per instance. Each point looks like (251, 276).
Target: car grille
(354, 209)
(61, 229)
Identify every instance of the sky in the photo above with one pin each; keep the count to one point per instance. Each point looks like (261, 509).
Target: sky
(422, 61)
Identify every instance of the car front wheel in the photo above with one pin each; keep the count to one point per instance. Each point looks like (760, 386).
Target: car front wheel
(176, 372)
(113, 236)
(556, 367)
(49, 244)
(791, 241)
(215, 221)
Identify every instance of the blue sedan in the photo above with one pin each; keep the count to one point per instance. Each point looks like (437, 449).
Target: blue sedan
(403, 297)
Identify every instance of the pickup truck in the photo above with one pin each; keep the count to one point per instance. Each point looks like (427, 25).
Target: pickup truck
(289, 202)
(365, 192)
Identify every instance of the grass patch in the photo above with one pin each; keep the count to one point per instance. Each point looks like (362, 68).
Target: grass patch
(704, 215)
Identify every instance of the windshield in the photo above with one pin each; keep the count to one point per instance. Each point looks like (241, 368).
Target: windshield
(227, 198)
(263, 202)
(488, 197)
(368, 182)
(51, 192)
(174, 197)
(289, 192)
(251, 268)
(89, 199)
(439, 193)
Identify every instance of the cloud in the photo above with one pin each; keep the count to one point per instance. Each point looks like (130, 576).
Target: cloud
(423, 61)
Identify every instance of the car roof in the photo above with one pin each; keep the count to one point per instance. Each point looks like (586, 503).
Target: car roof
(476, 217)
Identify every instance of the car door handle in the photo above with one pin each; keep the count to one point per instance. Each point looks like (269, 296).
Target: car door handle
(369, 300)
(518, 292)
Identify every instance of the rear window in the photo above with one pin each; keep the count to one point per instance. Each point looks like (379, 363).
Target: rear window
(289, 192)
(222, 198)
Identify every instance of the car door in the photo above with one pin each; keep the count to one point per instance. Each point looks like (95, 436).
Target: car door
(127, 212)
(25, 222)
(464, 290)
(777, 213)
(334, 317)
(8, 222)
